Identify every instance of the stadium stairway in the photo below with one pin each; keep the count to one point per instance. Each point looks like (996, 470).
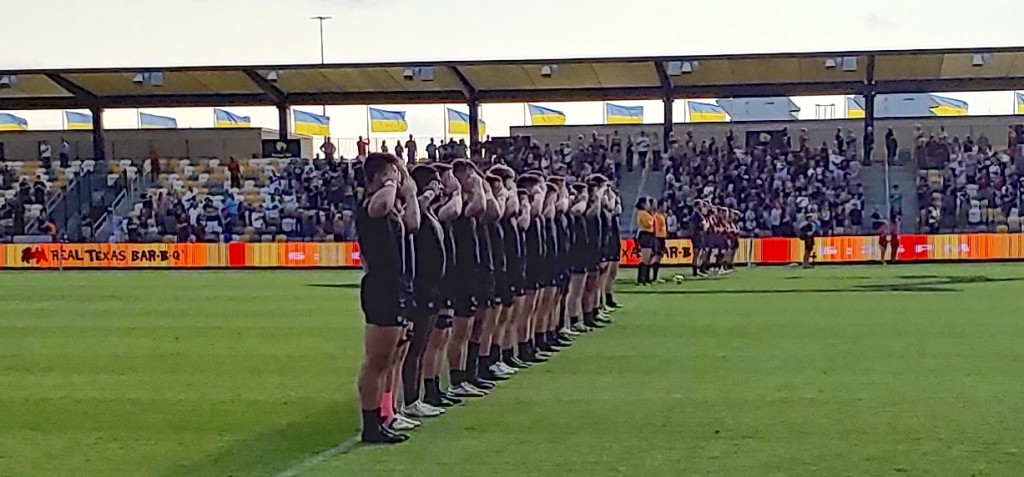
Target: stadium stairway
(632, 185)
(876, 196)
(65, 209)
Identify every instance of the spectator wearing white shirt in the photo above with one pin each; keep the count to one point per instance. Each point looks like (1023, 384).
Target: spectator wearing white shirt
(46, 154)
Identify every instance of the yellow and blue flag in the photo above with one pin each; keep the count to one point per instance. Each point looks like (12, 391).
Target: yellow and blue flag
(615, 114)
(227, 119)
(854, 110)
(1020, 102)
(10, 122)
(309, 124)
(458, 123)
(944, 106)
(78, 121)
(387, 121)
(541, 116)
(706, 112)
(152, 121)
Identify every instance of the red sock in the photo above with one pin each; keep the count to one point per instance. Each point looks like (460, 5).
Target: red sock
(387, 407)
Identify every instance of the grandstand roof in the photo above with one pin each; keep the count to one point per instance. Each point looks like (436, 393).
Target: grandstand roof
(714, 76)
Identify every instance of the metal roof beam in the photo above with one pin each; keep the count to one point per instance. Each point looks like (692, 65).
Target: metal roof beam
(468, 90)
(270, 89)
(87, 97)
(666, 82)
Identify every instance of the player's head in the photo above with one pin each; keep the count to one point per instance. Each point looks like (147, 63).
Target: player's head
(578, 193)
(379, 167)
(530, 183)
(463, 170)
(424, 177)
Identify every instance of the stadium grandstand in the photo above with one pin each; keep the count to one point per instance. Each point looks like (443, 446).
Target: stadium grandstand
(942, 174)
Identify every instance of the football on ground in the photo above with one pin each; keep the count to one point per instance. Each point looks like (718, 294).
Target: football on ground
(847, 370)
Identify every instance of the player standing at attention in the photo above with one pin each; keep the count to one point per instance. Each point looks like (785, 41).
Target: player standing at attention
(467, 277)
(385, 286)
(429, 248)
(486, 307)
(698, 231)
(645, 240)
(614, 250)
(508, 285)
(534, 252)
(660, 239)
(807, 233)
(889, 239)
(577, 256)
(607, 257)
(595, 250)
(502, 293)
(520, 313)
(438, 342)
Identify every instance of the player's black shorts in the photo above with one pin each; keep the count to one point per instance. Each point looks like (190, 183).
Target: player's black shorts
(660, 246)
(645, 240)
(486, 287)
(465, 299)
(504, 290)
(383, 301)
(534, 274)
(426, 297)
(443, 322)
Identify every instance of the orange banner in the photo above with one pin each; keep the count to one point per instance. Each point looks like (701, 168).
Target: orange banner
(764, 251)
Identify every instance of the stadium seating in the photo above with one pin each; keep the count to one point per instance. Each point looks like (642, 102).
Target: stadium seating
(21, 176)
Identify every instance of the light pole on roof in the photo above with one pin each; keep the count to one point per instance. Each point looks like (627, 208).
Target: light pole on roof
(320, 19)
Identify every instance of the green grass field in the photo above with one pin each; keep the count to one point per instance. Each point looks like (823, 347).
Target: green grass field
(860, 371)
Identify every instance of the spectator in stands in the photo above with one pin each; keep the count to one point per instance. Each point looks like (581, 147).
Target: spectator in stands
(431, 151)
(46, 154)
(891, 146)
(154, 163)
(399, 150)
(362, 146)
(328, 149)
(65, 153)
(45, 226)
(39, 189)
(410, 150)
(235, 169)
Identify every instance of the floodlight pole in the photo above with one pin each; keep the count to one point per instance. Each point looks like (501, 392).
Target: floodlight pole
(320, 19)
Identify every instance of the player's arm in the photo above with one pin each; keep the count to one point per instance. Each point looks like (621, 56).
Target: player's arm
(411, 215)
(451, 209)
(477, 203)
(384, 200)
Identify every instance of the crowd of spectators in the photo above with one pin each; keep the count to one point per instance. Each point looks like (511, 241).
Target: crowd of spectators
(969, 185)
(777, 188)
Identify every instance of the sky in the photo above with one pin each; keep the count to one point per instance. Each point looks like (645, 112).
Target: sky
(154, 33)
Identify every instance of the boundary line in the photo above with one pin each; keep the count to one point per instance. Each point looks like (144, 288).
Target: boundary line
(320, 457)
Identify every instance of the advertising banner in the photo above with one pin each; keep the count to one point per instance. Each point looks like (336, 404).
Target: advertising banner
(678, 252)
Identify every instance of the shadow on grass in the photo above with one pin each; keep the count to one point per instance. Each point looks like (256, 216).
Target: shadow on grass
(277, 450)
(934, 284)
(350, 286)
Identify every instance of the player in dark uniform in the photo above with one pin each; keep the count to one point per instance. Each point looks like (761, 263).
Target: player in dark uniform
(492, 241)
(549, 274)
(437, 343)
(614, 250)
(698, 236)
(607, 252)
(467, 278)
(430, 263)
(596, 229)
(507, 283)
(577, 255)
(534, 253)
(386, 286)
(807, 233)
(517, 334)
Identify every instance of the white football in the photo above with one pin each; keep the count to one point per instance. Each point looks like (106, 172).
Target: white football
(678, 279)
